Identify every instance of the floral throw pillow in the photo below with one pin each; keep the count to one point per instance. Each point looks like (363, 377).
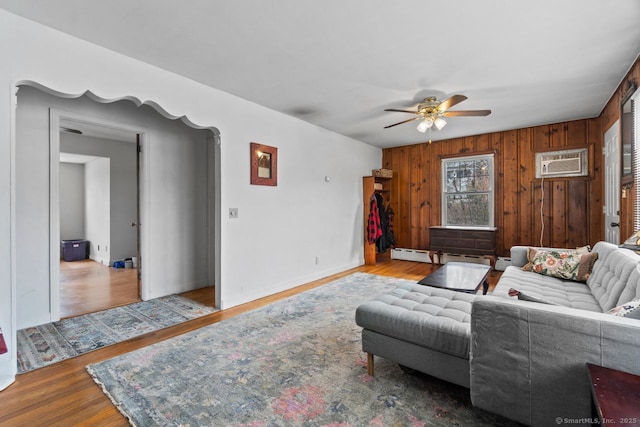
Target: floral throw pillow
(630, 309)
(563, 264)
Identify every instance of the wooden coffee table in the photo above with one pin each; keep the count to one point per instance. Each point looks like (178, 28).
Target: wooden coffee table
(460, 276)
(615, 396)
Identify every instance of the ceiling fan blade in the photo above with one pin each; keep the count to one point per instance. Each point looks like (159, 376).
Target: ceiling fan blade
(404, 121)
(401, 111)
(466, 113)
(450, 102)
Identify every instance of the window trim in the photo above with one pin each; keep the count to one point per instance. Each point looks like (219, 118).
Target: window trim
(490, 157)
(635, 164)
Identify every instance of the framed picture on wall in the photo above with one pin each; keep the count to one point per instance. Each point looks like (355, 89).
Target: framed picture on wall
(264, 165)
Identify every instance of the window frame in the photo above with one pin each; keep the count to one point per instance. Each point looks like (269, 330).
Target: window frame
(635, 152)
(490, 157)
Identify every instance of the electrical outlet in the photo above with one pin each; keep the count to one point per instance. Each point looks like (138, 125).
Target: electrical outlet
(317, 260)
(233, 212)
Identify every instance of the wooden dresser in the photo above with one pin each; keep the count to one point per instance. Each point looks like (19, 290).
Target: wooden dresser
(463, 241)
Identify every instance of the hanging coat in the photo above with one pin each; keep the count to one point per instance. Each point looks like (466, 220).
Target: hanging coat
(374, 228)
(384, 242)
(391, 237)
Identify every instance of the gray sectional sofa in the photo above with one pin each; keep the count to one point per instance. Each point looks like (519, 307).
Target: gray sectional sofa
(521, 359)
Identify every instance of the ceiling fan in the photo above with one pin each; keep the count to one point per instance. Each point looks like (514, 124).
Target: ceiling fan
(433, 112)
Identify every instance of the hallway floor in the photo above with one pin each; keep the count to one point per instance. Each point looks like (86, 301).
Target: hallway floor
(87, 286)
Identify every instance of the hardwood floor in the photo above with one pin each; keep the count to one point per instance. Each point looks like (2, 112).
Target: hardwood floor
(87, 286)
(64, 394)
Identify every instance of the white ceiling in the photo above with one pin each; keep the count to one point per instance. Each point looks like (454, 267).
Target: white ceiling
(340, 63)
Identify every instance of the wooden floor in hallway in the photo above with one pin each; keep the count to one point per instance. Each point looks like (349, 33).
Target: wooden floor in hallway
(86, 286)
(64, 394)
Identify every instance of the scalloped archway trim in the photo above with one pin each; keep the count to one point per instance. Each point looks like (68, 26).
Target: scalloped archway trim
(97, 98)
(214, 174)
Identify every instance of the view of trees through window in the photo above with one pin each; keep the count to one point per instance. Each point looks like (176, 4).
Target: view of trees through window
(468, 191)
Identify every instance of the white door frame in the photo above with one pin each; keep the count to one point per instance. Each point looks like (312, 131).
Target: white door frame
(55, 116)
(612, 183)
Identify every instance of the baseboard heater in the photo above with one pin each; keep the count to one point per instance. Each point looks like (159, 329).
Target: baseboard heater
(410, 255)
(475, 259)
(423, 256)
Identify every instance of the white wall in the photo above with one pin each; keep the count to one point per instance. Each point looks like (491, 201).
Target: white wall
(97, 210)
(280, 230)
(71, 201)
(8, 361)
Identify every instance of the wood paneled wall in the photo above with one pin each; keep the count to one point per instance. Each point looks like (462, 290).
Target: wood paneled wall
(572, 209)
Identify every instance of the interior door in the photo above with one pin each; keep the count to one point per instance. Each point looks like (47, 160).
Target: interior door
(612, 184)
(137, 222)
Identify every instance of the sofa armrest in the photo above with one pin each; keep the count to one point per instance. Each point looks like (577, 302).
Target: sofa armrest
(528, 359)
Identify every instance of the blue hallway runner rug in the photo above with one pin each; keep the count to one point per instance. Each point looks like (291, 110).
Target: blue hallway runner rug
(43, 345)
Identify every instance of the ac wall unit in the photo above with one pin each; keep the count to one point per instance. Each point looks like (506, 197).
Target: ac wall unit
(561, 163)
(556, 166)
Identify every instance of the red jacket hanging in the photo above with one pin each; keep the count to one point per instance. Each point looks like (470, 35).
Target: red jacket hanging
(3, 345)
(374, 229)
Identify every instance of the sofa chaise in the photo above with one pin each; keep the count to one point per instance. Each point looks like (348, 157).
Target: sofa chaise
(523, 349)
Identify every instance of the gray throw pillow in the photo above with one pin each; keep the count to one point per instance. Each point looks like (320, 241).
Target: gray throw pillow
(525, 297)
(633, 242)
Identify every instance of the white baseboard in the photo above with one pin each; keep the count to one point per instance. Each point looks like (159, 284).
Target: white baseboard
(234, 300)
(100, 260)
(6, 381)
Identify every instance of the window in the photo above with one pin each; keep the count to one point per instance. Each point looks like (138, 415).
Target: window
(467, 191)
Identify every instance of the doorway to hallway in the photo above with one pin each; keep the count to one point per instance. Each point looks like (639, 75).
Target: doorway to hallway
(98, 194)
(179, 201)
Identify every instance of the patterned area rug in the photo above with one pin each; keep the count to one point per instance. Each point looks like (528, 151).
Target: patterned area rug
(46, 344)
(295, 362)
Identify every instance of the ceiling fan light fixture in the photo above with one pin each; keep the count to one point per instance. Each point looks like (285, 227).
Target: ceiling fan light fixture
(440, 123)
(432, 112)
(425, 124)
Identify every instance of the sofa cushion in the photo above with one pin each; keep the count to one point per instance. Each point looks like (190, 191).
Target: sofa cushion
(430, 317)
(557, 291)
(614, 279)
(632, 290)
